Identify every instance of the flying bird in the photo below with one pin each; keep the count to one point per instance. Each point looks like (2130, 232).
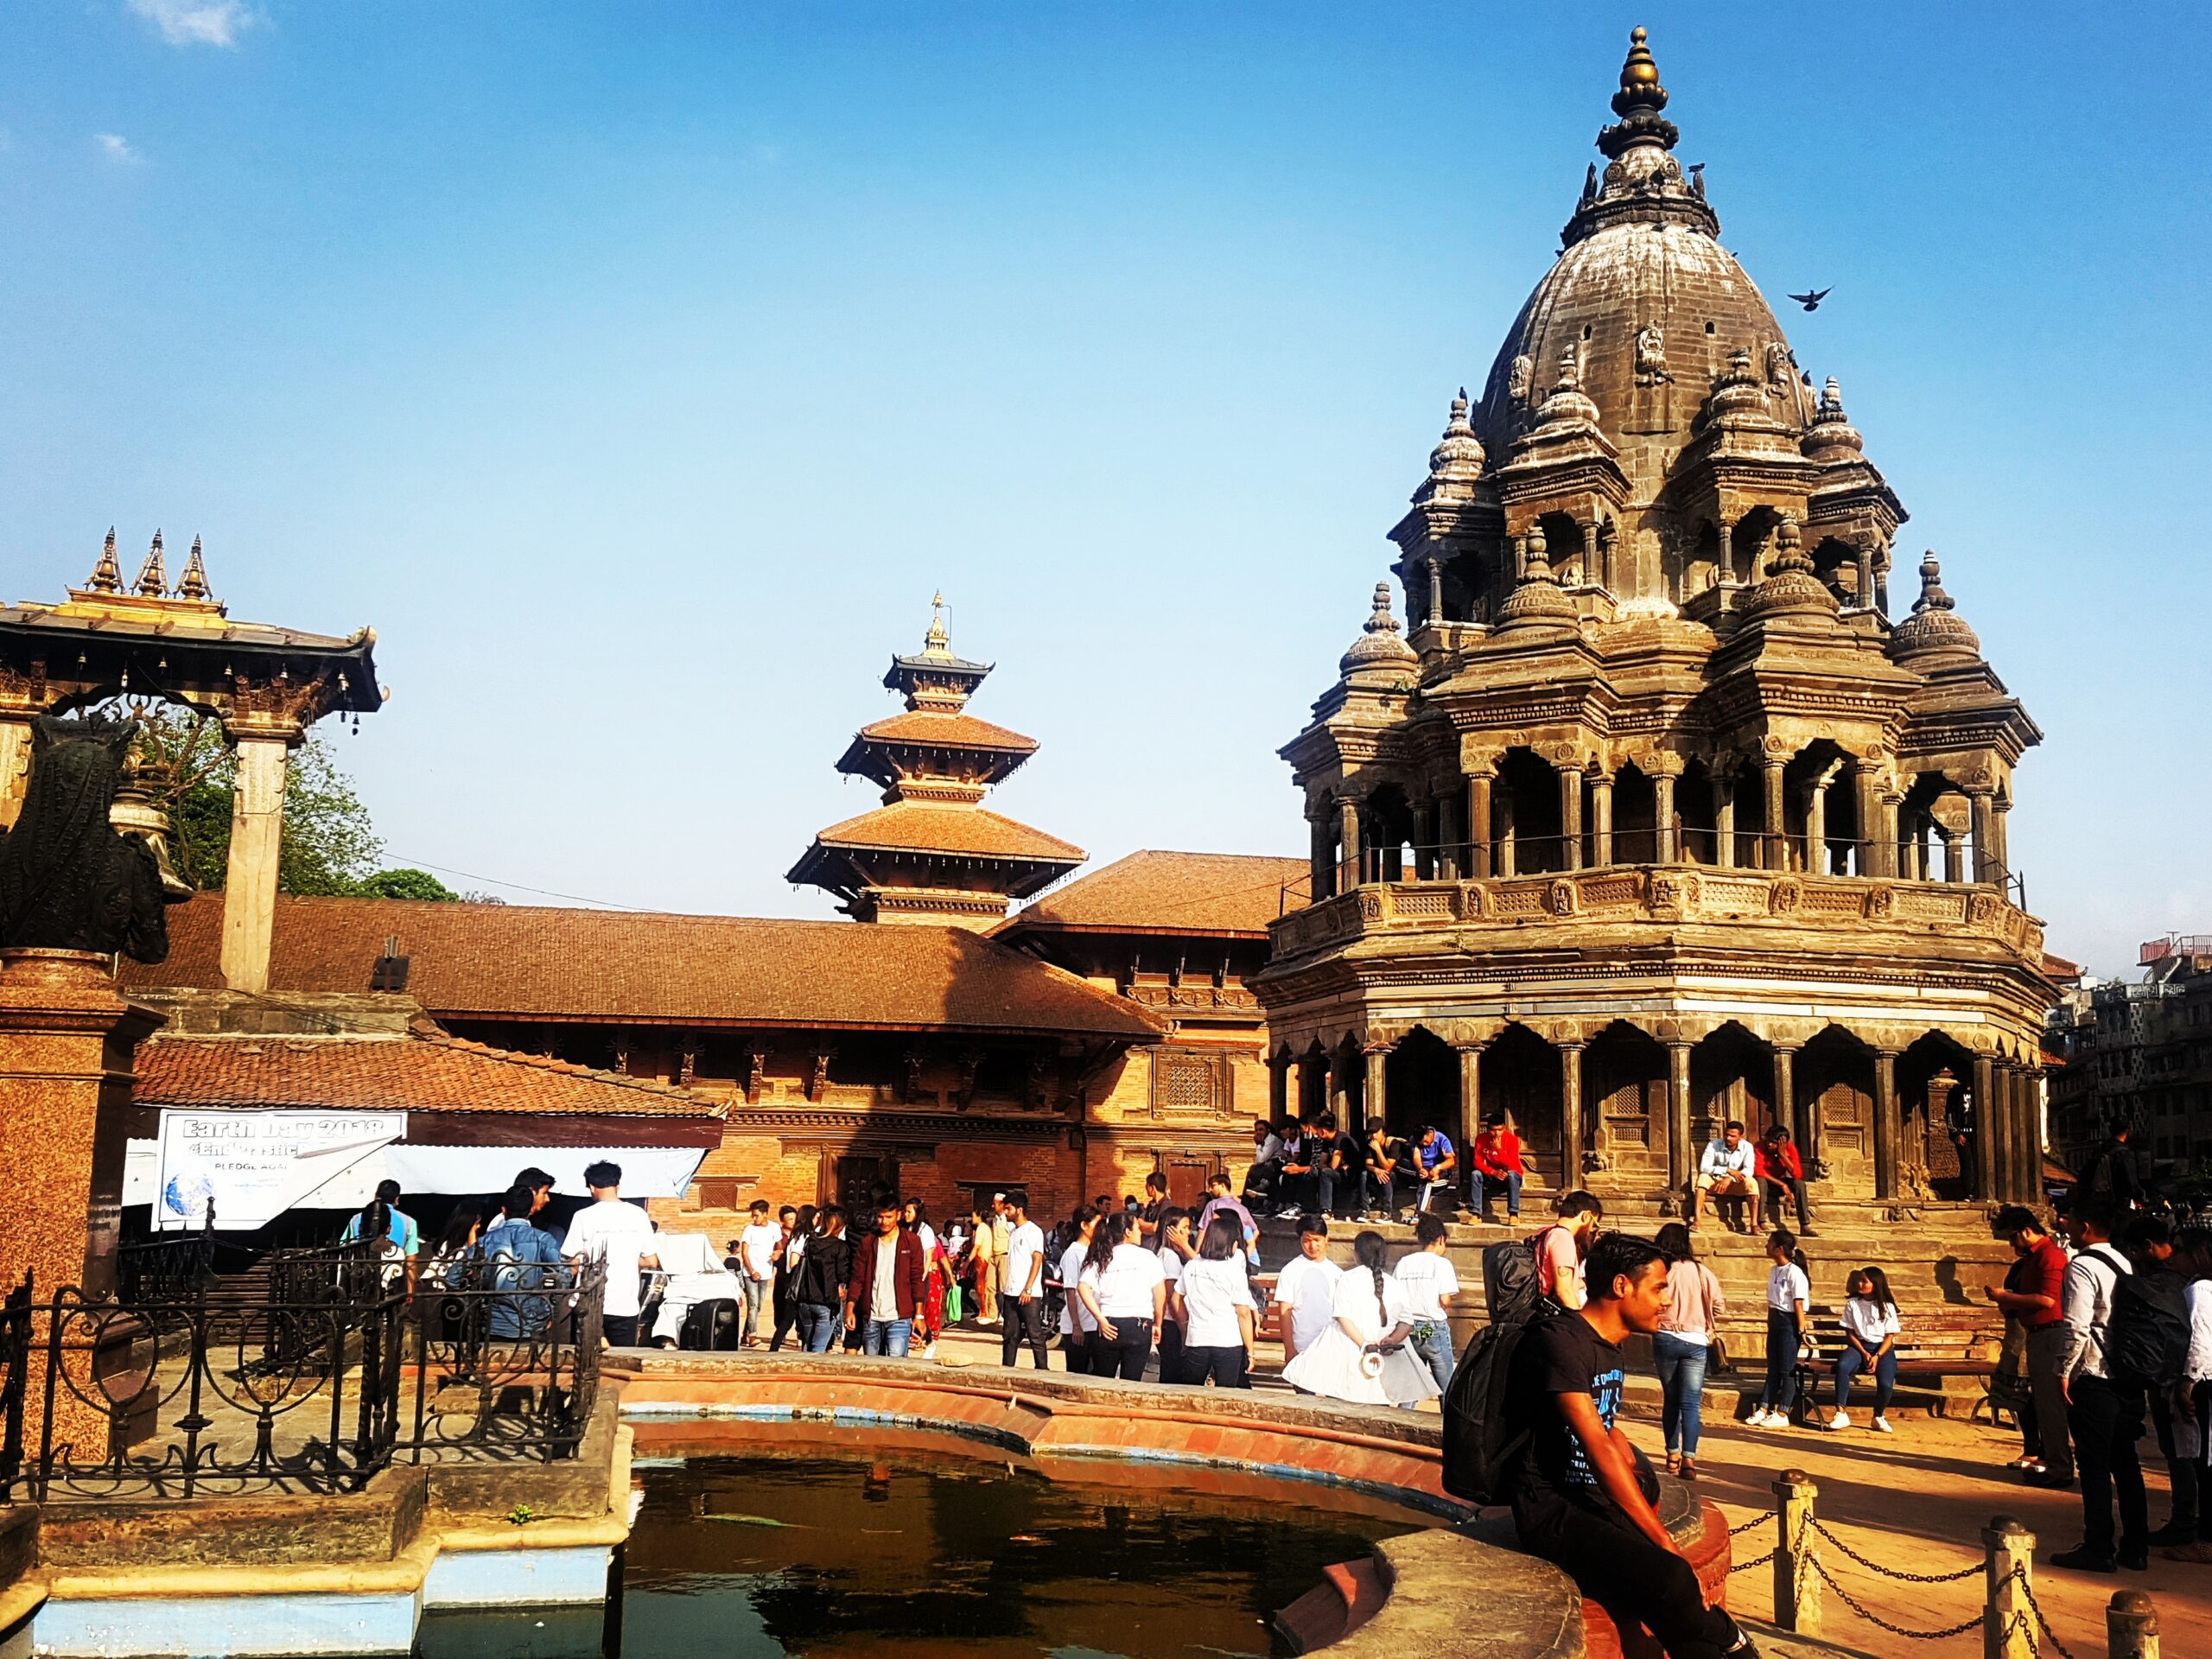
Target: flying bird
(1812, 302)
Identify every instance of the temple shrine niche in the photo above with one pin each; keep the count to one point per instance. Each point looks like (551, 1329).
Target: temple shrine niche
(1652, 816)
(932, 852)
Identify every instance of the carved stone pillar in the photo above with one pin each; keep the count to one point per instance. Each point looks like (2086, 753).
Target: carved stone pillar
(1785, 1101)
(1279, 1086)
(1572, 1139)
(257, 836)
(1681, 1156)
(1727, 572)
(1724, 815)
(1985, 867)
(1774, 840)
(1601, 817)
(1986, 1173)
(1426, 838)
(1348, 858)
(1871, 853)
(1478, 827)
(2004, 1156)
(1570, 816)
(2000, 810)
(1374, 1100)
(14, 765)
(1663, 796)
(1435, 593)
(1887, 1129)
(1954, 860)
(1339, 1095)
(1470, 1098)
(1321, 880)
(2028, 1106)
(1816, 825)
(1865, 596)
(1507, 853)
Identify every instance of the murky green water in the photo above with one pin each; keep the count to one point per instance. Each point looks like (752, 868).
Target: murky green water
(926, 1555)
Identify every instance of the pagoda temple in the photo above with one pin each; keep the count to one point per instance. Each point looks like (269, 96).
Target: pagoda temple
(932, 852)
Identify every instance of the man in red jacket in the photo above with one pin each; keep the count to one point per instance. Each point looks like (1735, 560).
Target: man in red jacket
(1782, 1173)
(889, 1279)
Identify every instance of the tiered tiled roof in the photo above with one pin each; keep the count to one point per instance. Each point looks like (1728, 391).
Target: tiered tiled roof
(1212, 893)
(949, 826)
(529, 962)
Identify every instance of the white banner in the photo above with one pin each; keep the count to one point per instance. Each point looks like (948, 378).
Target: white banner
(256, 1165)
(484, 1171)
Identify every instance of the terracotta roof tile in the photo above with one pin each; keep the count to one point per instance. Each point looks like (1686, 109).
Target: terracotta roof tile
(417, 1073)
(948, 731)
(1189, 893)
(527, 961)
(949, 826)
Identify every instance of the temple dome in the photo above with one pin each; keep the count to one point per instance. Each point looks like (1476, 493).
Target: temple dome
(1650, 303)
(1378, 646)
(1934, 628)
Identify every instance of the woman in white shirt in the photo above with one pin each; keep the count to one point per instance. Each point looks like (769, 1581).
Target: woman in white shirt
(1362, 1357)
(1125, 1289)
(1077, 1326)
(1871, 1329)
(1213, 1300)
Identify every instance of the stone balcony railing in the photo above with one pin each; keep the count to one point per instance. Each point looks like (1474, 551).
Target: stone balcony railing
(1662, 893)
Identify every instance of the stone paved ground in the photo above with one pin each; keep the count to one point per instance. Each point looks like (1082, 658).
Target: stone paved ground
(1915, 1500)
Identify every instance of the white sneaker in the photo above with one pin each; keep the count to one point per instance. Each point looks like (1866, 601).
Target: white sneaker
(1841, 1420)
(1294, 1213)
(1883, 1424)
(1762, 1419)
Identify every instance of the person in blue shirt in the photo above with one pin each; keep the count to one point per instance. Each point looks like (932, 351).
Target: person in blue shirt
(1436, 1164)
(521, 1257)
(406, 1237)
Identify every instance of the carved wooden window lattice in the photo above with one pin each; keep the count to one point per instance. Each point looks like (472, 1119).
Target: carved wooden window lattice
(1186, 1084)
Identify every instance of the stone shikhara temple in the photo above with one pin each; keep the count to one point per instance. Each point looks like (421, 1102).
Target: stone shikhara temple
(1656, 816)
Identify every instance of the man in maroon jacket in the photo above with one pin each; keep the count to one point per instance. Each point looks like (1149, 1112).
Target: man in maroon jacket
(1782, 1176)
(888, 1276)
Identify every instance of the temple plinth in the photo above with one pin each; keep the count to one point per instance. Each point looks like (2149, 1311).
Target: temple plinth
(931, 852)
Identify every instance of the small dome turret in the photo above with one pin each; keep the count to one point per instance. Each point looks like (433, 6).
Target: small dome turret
(1539, 601)
(1455, 466)
(1791, 588)
(1935, 625)
(1378, 646)
(1831, 437)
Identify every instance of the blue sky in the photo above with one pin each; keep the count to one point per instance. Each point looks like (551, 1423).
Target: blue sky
(639, 370)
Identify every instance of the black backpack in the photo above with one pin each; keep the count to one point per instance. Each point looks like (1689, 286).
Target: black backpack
(1480, 1452)
(2147, 1342)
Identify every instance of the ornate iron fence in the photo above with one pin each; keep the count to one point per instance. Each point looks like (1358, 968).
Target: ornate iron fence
(314, 1380)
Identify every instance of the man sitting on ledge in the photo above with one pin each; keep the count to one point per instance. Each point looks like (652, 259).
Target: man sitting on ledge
(1580, 1498)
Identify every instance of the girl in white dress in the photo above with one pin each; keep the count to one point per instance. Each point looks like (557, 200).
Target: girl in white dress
(1362, 1357)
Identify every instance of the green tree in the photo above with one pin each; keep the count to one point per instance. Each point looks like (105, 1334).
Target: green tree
(405, 884)
(329, 845)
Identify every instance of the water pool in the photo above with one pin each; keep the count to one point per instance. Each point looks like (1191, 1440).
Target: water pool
(844, 1546)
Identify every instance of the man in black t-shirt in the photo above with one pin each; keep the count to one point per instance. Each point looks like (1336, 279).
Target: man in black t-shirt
(1350, 1169)
(1387, 1170)
(1579, 1497)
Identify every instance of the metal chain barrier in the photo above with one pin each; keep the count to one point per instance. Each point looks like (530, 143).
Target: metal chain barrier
(1890, 1572)
(2028, 1590)
(1875, 1618)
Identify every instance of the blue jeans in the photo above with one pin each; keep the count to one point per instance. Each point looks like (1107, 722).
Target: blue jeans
(1850, 1363)
(1432, 1342)
(817, 1326)
(1487, 1186)
(1780, 1393)
(886, 1338)
(756, 1295)
(1681, 1363)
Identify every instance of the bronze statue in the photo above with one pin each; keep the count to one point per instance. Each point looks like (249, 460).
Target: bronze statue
(68, 881)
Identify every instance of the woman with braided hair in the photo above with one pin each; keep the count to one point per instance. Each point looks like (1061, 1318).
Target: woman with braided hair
(1362, 1357)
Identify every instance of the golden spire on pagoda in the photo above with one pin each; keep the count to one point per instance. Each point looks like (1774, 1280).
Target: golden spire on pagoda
(936, 642)
(193, 584)
(107, 575)
(153, 581)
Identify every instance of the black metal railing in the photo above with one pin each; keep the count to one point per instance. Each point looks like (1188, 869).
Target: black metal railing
(313, 1378)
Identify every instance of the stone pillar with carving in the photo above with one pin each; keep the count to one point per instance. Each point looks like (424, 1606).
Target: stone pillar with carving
(1985, 867)
(1985, 1170)
(257, 840)
(1573, 1134)
(2028, 1105)
(2000, 810)
(1786, 1109)
(1723, 812)
(1773, 826)
(1888, 1132)
(1570, 815)
(1349, 871)
(1426, 838)
(1374, 1099)
(1321, 874)
(1479, 823)
(1665, 769)
(1816, 824)
(1601, 817)
(1470, 1102)
(1279, 1086)
(1681, 1155)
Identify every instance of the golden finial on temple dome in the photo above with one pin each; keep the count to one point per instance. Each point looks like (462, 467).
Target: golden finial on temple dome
(1640, 85)
(153, 581)
(107, 575)
(193, 584)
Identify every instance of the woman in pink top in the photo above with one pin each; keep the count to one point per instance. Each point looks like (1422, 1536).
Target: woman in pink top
(1681, 1346)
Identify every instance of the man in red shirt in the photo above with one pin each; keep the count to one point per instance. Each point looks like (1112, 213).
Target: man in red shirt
(1498, 1168)
(889, 1283)
(1782, 1174)
(2034, 1293)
